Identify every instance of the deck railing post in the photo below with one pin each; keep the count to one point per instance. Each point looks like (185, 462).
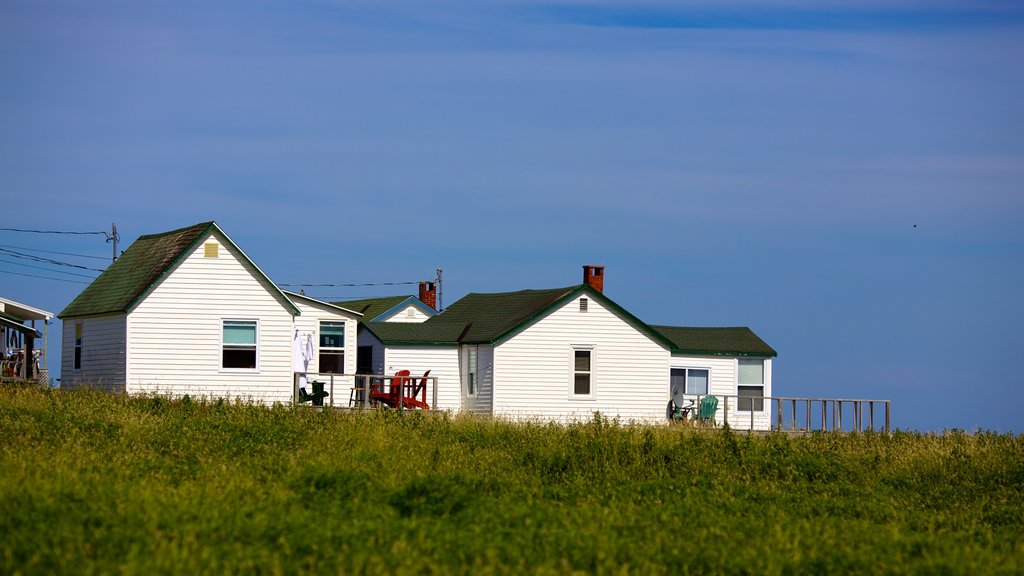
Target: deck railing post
(808, 414)
(794, 415)
(433, 395)
(726, 411)
(332, 391)
(871, 415)
(887, 416)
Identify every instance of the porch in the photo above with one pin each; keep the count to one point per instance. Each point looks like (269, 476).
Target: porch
(20, 359)
(789, 414)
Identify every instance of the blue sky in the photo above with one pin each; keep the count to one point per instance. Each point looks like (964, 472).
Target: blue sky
(731, 163)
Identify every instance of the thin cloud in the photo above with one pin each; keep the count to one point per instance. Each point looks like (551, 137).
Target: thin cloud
(762, 16)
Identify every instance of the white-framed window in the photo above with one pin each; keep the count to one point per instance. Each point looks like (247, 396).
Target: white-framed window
(750, 384)
(582, 383)
(472, 369)
(332, 347)
(240, 344)
(78, 345)
(689, 381)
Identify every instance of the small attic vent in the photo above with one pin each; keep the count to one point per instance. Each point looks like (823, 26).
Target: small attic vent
(583, 304)
(210, 249)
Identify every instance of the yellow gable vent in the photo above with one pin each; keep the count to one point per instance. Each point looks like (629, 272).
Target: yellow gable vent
(210, 249)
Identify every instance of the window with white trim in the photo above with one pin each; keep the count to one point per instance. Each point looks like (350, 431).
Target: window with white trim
(690, 381)
(472, 370)
(582, 372)
(239, 344)
(750, 384)
(78, 345)
(332, 347)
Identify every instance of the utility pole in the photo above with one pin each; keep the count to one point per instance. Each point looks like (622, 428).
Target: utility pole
(113, 238)
(440, 292)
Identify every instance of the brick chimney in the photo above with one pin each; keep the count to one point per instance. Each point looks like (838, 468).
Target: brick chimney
(593, 276)
(428, 294)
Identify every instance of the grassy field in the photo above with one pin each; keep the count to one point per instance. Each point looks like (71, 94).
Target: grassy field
(102, 484)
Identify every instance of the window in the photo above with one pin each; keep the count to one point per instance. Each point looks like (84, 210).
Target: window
(239, 344)
(750, 384)
(78, 345)
(689, 381)
(471, 370)
(582, 371)
(332, 347)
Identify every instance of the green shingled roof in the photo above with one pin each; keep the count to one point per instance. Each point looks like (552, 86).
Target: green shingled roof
(491, 318)
(371, 308)
(738, 341)
(141, 266)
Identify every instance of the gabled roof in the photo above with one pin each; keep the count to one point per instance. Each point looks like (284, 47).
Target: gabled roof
(334, 306)
(144, 264)
(494, 318)
(381, 309)
(735, 341)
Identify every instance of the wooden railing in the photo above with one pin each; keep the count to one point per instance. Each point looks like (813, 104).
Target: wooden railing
(804, 414)
(800, 414)
(358, 387)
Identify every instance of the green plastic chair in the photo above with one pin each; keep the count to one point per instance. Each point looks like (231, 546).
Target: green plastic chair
(708, 407)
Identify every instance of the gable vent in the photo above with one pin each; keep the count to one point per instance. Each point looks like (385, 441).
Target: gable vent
(210, 249)
(583, 304)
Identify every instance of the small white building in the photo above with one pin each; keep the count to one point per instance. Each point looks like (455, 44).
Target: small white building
(565, 353)
(187, 312)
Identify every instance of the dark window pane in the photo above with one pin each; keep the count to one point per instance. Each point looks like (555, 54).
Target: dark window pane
(583, 360)
(582, 384)
(332, 362)
(239, 357)
(78, 357)
(750, 398)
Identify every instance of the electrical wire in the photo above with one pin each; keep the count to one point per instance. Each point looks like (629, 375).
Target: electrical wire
(43, 277)
(52, 252)
(15, 254)
(53, 232)
(47, 269)
(350, 285)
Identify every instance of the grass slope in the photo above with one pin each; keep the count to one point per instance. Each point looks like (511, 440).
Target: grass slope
(108, 484)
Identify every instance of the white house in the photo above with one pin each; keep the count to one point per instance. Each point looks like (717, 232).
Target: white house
(187, 312)
(19, 356)
(566, 353)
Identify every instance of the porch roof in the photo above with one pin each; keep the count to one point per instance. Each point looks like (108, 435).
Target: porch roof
(724, 341)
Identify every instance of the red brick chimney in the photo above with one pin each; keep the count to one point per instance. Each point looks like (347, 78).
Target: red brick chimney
(428, 294)
(593, 276)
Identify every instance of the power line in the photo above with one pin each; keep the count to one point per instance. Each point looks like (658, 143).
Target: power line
(7, 252)
(350, 285)
(52, 252)
(52, 232)
(43, 277)
(47, 269)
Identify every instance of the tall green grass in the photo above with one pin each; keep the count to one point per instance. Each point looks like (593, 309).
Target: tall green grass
(91, 483)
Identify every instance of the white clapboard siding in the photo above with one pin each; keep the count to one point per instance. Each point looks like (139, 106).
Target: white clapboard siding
(723, 383)
(366, 338)
(175, 331)
(103, 354)
(443, 363)
(409, 313)
(309, 323)
(533, 370)
(482, 402)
